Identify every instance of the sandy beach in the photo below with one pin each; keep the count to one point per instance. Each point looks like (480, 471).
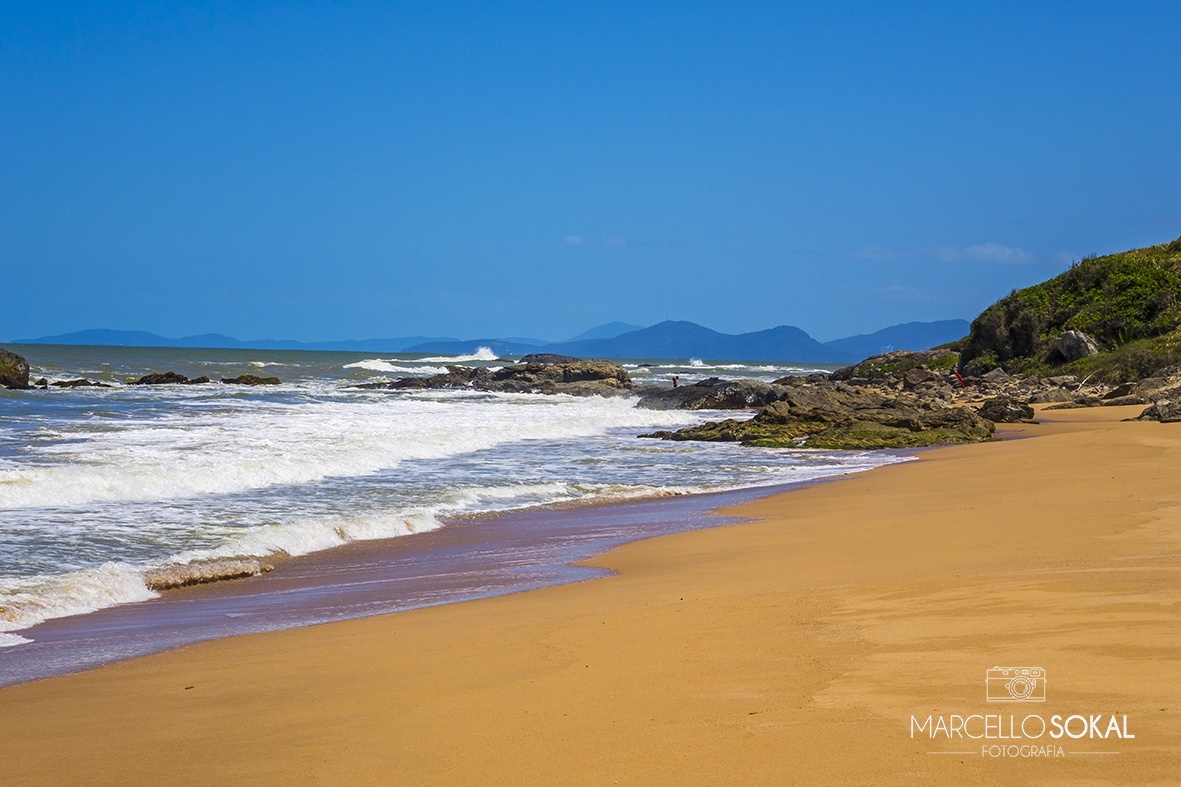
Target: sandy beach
(794, 649)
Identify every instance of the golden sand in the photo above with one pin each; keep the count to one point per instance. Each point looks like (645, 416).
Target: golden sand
(794, 649)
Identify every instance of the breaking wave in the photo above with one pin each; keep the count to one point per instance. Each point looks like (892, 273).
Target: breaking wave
(481, 354)
(379, 365)
(259, 444)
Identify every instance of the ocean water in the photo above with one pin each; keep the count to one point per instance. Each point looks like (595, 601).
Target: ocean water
(108, 495)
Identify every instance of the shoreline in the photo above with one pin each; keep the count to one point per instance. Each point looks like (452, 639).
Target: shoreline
(469, 557)
(792, 648)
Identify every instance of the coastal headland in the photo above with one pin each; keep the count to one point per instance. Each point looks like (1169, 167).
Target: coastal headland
(804, 647)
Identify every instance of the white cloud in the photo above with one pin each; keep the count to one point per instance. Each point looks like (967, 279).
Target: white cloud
(614, 241)
(876, 253)
(979, 252)
(995, 252)
(575, 240)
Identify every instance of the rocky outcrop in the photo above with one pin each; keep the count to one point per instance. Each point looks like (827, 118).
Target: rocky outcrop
(1080, 400)
(1004, 410)
(14, 371)
(711, 394)
(81, 383)
(839, 416)
(576, 378)
(1166, 411)
(1123, 401)
(895, 365)
(250, 379)
(169, 378)
(917, 376)
(548, 358)
(1074, 345)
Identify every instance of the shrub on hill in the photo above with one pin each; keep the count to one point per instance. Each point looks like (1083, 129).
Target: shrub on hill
(1129, 303)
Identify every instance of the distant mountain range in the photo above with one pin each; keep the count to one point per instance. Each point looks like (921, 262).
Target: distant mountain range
(678, 339)
(669, 339)
(907, 336)
(109, 338)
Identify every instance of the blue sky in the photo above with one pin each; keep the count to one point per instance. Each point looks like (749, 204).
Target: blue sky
(344, 170)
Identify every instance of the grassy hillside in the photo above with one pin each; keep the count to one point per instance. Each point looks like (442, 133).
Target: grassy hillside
(1129, 303)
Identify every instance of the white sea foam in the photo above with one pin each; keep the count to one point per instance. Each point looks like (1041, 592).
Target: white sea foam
(25, 602)
(379, 365)
(696, 362)
(481, 354)
(257, 444)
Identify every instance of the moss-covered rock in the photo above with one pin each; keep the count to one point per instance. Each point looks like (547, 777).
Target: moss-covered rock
(841, 417)
(897, 364)
(14, 370)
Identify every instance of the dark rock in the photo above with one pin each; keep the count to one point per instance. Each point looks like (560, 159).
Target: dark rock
(1075, 345)
(1165, 410)
(1066, 406)
(1078, 400)
(549, 358)
(888, 382)
(711, 394)
(1120, 401)
(1119, 391)
(997, 375)
(42, 383)
(250, 379)
(1165, 385)
(917, 376)
(578, 378)
(1052, 396)
(801, 379)
(14, 371)
(167, 378)
(838, 417)
(1063, 380)
(1003, 410)
(81, 383)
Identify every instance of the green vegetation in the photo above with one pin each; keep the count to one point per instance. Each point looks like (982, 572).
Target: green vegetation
(896, 364)
(1129, 303)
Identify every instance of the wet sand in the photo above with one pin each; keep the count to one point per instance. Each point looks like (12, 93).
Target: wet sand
(794, 649)
(470, 558)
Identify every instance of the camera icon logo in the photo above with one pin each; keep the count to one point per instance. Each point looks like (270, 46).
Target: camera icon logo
(1015, 684)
